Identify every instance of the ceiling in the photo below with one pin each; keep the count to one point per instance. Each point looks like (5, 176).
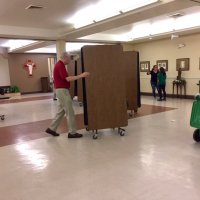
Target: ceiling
(49, 24)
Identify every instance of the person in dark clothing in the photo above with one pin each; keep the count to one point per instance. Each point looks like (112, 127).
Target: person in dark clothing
(161, 84)
(154, 79)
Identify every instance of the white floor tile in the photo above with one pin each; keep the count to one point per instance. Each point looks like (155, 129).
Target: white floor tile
(156, 159)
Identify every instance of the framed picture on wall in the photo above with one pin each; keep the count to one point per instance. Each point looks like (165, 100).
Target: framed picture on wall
(183, 64)
(162, 63)
(145, 66)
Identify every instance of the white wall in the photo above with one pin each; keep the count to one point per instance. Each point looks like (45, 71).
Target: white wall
(4, 71)
(168, 50)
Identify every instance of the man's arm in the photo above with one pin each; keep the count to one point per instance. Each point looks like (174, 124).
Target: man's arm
(73, 78)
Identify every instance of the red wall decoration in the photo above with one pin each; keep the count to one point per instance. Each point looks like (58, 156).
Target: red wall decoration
(30, 66)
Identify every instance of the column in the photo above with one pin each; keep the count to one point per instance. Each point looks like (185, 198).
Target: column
(60, 48)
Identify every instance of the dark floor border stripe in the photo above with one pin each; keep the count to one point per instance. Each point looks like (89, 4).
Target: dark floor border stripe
(36, 130)
(7, 101)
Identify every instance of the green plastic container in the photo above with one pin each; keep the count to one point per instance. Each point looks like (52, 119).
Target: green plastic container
(195, 115)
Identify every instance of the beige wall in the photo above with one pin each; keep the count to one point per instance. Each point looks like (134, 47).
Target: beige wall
(19, 76)
(168, 50)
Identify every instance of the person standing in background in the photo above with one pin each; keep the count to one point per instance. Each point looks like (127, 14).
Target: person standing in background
(154, 79)
(161, 84)
(62, 84)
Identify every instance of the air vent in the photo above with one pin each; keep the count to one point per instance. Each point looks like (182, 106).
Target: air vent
(196, 1)
(176, 15)
(34, 7)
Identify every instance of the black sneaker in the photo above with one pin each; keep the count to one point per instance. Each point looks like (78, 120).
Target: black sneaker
(74, 135)
(51, 132)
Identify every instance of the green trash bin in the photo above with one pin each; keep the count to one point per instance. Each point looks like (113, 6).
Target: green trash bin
(195, 118)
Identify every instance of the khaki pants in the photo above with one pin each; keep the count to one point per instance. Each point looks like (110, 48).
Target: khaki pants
(64, 107)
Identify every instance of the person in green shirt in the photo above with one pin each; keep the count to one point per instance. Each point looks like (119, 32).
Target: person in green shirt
(161, 84)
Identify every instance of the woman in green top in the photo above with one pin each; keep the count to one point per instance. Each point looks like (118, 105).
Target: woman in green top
(161, 84)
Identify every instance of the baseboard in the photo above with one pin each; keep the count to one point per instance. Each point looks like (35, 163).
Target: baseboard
(171, 95)
(10, 95)
(4, 98)
(35, 92)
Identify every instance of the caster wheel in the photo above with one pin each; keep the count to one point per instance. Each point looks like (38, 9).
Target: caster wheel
(196, 135)
(2, 117)
(135, 110)
(130, 115)
(95, 137)
(121, 133)
(87, 129)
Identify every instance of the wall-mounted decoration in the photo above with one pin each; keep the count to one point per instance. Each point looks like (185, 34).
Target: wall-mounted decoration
(29, 66)
(183, 64)
(145, 66)
(162, 63)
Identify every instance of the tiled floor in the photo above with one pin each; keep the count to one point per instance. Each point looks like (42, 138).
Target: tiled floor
(156, 160)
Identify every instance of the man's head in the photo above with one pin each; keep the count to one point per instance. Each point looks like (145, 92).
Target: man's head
(65, 57)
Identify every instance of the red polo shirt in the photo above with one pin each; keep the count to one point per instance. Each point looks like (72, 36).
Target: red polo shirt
(59, 74)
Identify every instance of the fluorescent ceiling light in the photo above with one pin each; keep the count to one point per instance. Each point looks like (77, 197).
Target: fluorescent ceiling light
(71, 46)
(140, 30)
(104, 37)
(105, 15)
(143, 30)
(162, 26)
(188, 21)
(15, 44)
(81, 18)
(104, 10)
(137, 4)
(51, 49)
(123, 37)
